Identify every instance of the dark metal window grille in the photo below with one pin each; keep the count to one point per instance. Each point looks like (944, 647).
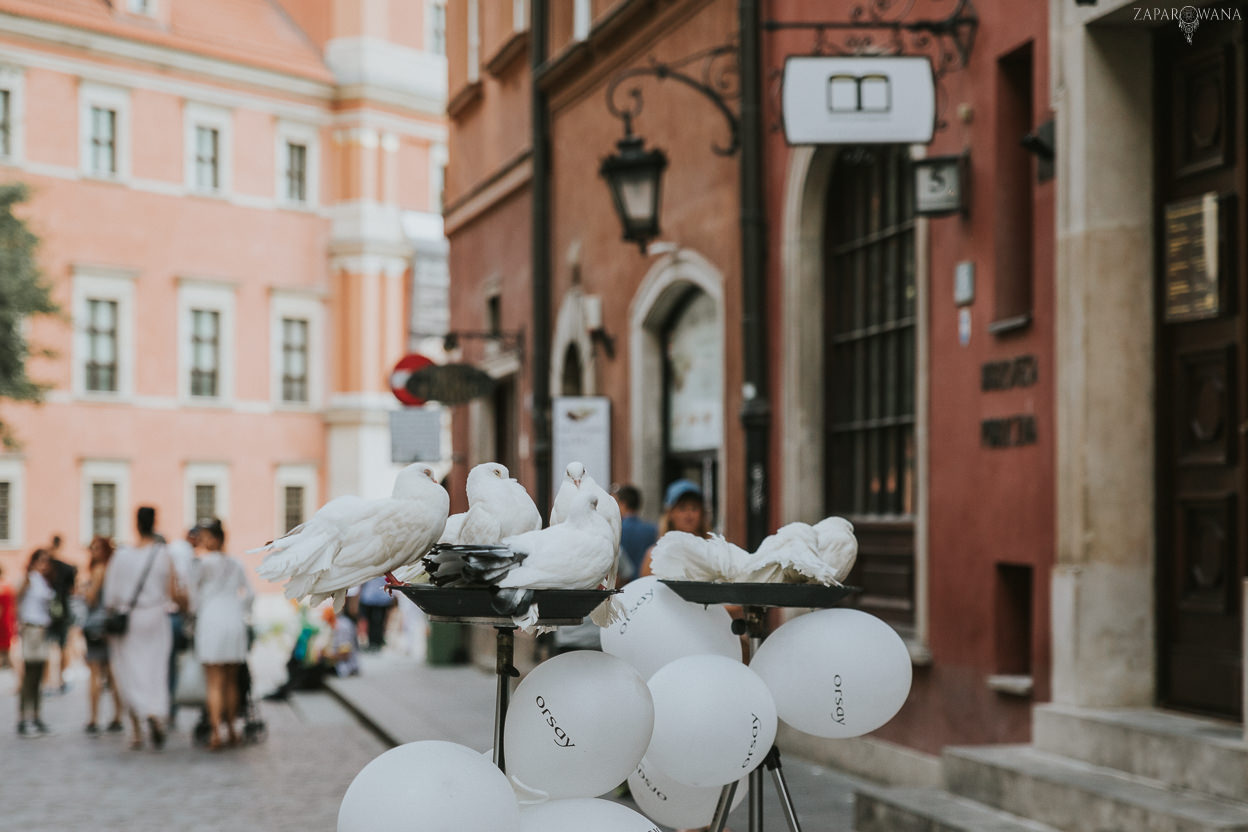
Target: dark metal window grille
(294, 360)
(103, 141)
(205, 502)
(102, 346)
(6, 508)
(104, 509)
(294, 506)
(207, 159)
(205, 355)
(6, 125)
(871, 335)
(296, 172)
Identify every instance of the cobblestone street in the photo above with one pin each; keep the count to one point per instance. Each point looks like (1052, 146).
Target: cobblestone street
(67, 781)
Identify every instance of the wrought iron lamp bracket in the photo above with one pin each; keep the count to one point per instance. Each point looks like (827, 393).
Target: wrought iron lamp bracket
(507, 340)
(714, 73)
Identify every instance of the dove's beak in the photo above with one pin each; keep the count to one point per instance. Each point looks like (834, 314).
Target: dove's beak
(576, 482)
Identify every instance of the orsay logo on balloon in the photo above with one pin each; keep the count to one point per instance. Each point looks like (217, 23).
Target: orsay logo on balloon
(838, 699)
(654, 790)
(628, 614)
(561, 737)
(755, 726)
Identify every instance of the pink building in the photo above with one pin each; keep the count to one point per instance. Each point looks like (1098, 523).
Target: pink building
(239, 207)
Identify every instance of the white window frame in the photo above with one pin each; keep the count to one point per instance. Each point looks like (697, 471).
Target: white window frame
(438, 160)
(216, 474)
(288, 304)
(105, 471)
(94, 283)
(112, 98)
(211, 296)
(13, 471)
(13, 80)
(474, 42)
(308, 136)
(430, 45)
(582, 19)
(294, 474)
(195, 115)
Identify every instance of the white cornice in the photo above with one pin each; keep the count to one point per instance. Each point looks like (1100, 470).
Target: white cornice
(162, 57)
(202, 91)
(388, 122)
(380, 67)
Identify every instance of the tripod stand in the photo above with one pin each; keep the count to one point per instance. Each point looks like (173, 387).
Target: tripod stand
(755, 623)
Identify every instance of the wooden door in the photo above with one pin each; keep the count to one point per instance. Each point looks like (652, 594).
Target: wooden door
(1200, 103)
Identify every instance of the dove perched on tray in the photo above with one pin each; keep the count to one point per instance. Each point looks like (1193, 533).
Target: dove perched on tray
(800, 553)
(498, 507)
(577, 481)
(680, 556)
(350, 540)
(574, 554)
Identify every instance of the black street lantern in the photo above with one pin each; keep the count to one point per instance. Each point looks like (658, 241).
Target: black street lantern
(635, 177)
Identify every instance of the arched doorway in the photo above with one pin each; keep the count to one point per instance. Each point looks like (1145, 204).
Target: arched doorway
(870, 314)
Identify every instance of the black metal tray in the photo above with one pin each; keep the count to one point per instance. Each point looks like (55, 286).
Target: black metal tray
(472, 606)
(762, 595)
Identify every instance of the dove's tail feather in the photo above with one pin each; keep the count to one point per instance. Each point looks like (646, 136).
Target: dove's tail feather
(528, 621)
(610, 611)
(305, 553)
(470, 565)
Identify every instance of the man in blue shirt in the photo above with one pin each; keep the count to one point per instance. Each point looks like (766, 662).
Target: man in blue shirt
(636, 535)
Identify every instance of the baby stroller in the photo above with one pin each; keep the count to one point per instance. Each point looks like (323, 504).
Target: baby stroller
(254, 728)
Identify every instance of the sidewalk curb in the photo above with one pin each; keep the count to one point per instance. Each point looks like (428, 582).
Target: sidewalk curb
(376, 728)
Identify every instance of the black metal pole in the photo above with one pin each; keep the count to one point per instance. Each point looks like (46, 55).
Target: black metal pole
(755, 407)
(540, 258)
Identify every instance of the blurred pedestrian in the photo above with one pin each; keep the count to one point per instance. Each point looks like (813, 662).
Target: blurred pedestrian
(182, 553)
(34, 615)
(8, 619)
(684, 510)
(64, 579)
(101, 551)
(375, 606)
(140, 580)
(221, 599)
(636, 535)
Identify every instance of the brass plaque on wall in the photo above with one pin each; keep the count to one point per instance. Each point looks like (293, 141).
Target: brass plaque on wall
(1192, 246)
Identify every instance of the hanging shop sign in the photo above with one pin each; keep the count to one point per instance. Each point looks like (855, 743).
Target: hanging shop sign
(858, 100)
(581, 432)
(449, 384)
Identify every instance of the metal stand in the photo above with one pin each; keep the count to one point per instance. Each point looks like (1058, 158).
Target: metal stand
(506, 651)
(755, 623)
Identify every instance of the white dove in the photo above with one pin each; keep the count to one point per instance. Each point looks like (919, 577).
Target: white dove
(352, 539)
(800, 553)
(577, 481)
(498, 507)
(681, 556)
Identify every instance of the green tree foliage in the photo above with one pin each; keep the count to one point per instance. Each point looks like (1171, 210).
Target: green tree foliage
(22, 293)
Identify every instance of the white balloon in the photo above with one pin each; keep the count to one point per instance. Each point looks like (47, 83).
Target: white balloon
(659, 627)
(583, 815)
(577, 725)
(714, 720)
(429, 786)
(672, 803)
(835, 673)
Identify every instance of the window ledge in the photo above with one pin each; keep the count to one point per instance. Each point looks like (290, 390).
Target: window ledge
(509, 54)
(1007, 325)
(468, 95)
(1011, 685)
(100, 397)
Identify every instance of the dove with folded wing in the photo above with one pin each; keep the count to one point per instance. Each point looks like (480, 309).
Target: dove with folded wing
(577, 481)
(680, 556)
(350, 540)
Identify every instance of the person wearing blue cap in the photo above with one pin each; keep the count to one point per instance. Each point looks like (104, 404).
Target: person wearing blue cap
(684, 510)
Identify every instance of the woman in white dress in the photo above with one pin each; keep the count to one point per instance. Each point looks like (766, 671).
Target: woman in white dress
(220, 600)
(140, 579)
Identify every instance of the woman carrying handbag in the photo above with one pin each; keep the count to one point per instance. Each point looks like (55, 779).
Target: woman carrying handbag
(101, 550)
(139, 585)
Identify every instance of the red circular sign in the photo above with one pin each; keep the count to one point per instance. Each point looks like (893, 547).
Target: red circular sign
(407, 365)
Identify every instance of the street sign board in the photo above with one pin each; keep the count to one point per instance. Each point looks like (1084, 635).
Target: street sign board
(407, 365)
(858, 100)
(581, 432)
(416, 435)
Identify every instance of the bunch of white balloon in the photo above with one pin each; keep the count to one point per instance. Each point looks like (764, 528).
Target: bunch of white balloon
(668, 705)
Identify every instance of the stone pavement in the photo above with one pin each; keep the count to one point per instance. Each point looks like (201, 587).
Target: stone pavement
(69, 782)
(404, 700)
